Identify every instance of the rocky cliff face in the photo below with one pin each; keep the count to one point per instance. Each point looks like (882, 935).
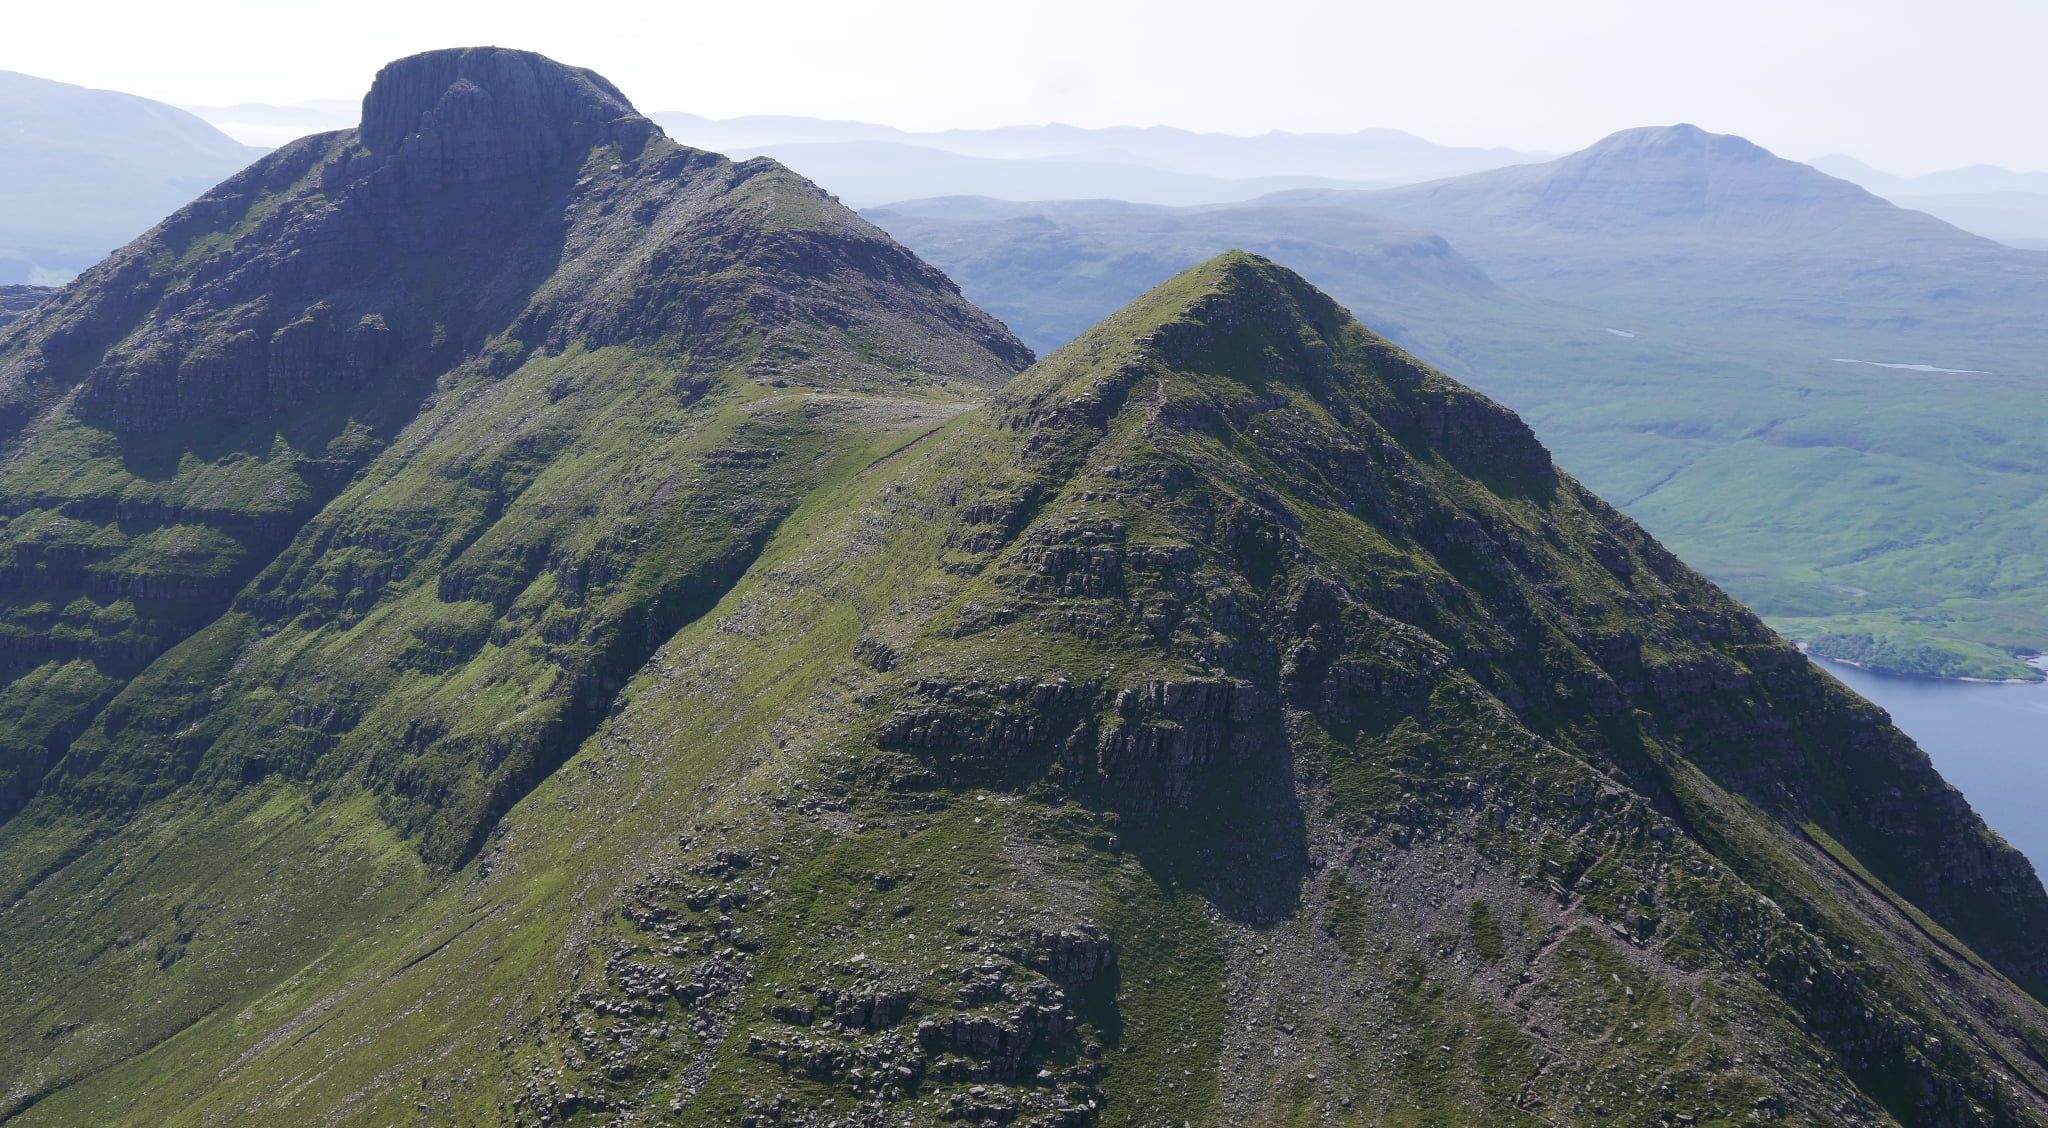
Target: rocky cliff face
(484, 112)
(17, 300)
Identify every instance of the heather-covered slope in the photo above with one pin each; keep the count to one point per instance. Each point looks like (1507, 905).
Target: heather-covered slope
(1237, 722)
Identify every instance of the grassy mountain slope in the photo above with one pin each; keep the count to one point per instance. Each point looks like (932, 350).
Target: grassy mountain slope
(1667, 310)
(489, 274)
(84, 171)
(371, 476)
(1236, 722)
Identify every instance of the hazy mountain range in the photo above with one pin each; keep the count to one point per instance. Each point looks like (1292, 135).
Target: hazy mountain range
(100, 167)
(2009, 206)
(868, 164)
(510, 619)
(1369, 154)
(866, 173)
(84, 171)
(1677, 313)
(258, 123)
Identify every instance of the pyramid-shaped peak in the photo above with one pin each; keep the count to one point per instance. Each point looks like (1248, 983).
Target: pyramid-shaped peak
(1239, 333)
(1239, 270)
(1186, 315)
(1233, 291)
(495, 98)
(1249, 277)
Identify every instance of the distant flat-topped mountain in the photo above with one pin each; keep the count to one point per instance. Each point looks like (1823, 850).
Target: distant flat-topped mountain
(84, 171)
(1687, 227)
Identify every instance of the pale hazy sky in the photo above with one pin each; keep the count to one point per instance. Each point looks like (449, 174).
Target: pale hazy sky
(1910, 85)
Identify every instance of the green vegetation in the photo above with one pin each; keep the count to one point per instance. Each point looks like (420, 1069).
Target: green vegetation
(973, 795)
(1906, 655)
(708, 704)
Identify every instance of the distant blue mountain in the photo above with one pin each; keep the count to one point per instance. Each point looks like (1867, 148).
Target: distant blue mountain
(868, 164)
(84, 171)
(1998, 203)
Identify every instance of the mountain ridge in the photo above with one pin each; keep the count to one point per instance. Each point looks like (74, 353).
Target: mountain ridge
(1366, 154)
(1967, 180)
(1672, 175)
(1997, 203)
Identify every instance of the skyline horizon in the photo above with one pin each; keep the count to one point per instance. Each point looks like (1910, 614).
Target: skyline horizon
(1900, 86)
(336, 105)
